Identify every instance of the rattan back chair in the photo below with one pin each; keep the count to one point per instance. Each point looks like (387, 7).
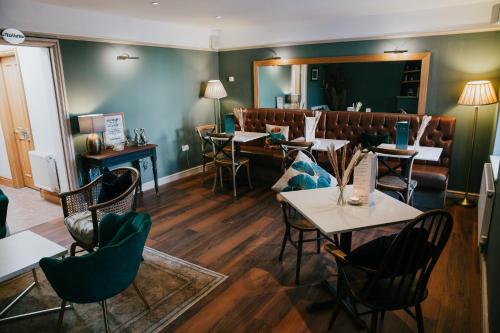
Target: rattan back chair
(398, 279)
(85, 199)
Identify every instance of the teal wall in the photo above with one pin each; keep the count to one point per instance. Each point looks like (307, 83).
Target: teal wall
(274, 81)
(160, 92)
(455, 60)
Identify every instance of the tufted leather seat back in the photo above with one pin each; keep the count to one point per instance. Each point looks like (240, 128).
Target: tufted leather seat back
(350, 126)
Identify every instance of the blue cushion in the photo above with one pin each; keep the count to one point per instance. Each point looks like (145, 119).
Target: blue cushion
(304, 174)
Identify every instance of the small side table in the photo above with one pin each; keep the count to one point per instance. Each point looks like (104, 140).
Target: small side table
(109, 158)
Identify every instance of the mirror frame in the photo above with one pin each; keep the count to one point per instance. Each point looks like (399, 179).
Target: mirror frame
(425, 57)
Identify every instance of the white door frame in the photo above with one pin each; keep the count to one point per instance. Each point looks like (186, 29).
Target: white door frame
(61, 101)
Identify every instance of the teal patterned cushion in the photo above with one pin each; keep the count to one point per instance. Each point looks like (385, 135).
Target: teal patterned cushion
(304, 174)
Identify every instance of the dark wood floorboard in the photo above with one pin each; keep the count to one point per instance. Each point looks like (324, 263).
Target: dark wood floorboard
(241, 238)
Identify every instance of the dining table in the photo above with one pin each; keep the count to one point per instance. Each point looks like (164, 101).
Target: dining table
(321, 144)
(320, 207)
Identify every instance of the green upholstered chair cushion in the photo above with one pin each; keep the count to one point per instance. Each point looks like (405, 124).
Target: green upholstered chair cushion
(4, 203)
(108, 271)
(80, 225)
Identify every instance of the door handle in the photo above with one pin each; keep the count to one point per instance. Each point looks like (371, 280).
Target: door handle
(23, 133)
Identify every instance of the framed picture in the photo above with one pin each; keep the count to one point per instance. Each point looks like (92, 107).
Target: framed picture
(280, 103)
(114, 129)
(314, 74)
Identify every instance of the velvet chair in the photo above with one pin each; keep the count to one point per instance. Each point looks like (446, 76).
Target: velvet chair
(100, 275)
(4, 202)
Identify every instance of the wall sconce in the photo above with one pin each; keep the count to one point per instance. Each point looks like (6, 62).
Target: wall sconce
(396, 51)
(126, 56)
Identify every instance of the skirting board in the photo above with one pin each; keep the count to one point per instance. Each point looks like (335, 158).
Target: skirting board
(176, 176)
(6, 181)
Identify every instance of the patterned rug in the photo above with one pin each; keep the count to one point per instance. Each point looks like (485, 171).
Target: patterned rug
(170, 285)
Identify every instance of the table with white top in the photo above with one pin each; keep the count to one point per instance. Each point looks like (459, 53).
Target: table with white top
(319, 206)
(242, 137)
(323, 144)
(424, 153)
(21, 253)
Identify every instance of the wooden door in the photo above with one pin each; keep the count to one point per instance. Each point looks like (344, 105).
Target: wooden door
(19, 129)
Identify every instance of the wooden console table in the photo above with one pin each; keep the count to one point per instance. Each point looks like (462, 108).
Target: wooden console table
(109, 158)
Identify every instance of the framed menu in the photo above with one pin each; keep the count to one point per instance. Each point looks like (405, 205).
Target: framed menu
(114, 129)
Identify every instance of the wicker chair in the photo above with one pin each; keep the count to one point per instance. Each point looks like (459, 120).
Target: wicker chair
(207, 155)
(81, 208)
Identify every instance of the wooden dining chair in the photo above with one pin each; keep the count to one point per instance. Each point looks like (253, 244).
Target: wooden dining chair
(295, 222)
(397, 170)
(396, 276)
(225, 157)
(207, 154)
(290, 150)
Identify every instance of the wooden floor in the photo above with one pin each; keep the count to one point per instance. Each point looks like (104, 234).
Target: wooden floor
(241, 238)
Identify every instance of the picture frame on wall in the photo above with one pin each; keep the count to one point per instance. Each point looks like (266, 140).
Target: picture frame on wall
(280, 102)
(114, 129)
(314, 74)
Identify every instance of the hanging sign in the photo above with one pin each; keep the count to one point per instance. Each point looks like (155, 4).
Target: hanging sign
(13, 36)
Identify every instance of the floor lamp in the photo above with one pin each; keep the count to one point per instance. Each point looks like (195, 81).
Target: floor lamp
(215, 90)
(475, 93)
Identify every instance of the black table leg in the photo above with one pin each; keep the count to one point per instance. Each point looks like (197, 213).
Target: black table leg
(345, 246)
(155, 171)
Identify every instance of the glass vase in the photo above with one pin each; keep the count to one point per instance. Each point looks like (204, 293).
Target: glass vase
(341, 201)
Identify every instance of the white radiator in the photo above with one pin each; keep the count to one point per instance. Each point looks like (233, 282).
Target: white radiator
(44, 171)
(485, 205)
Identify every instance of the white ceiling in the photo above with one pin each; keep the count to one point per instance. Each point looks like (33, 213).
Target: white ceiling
(244, 23)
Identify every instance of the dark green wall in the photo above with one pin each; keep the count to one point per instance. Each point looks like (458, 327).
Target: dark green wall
(455, 60)
(160, 92)
(274, 81)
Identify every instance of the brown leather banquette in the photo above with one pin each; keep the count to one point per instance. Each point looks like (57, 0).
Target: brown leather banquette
(350, 126)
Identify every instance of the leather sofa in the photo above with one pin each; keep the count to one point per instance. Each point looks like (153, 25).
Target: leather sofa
(350, 126)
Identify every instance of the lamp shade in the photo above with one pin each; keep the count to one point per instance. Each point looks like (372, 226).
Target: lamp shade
(477, 93)
(215, 90)
(92, 123)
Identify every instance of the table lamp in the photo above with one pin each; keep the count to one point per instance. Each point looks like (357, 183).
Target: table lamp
(475, 93)
(215, 90)
(92, 124)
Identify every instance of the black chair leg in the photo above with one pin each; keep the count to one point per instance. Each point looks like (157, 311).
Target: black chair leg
(72, 250)
(283, 244)
(105, 315)
(420, 319)
(336, 309)
(318, 241)
(374, 324)
(382, 317)
(61, 316)
(299, 256)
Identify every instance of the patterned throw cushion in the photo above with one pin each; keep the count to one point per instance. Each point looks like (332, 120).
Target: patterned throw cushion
(276, 134)
(304, 174)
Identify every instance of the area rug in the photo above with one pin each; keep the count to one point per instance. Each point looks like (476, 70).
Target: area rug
(170, 285)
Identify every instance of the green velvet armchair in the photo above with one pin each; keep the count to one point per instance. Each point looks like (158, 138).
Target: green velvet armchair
(4, 202)
(102, 274)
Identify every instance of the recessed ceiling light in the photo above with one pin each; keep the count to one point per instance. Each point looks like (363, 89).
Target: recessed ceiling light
(218, 17)
(155, 3)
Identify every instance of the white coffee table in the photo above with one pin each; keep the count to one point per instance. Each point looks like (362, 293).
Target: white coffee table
(322, 144)
(20, 253)
(424, 153)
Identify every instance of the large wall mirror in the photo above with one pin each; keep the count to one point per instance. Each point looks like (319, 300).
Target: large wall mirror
(392, 82)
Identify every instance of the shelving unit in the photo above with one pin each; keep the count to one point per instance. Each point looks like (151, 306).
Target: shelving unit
(410, 86)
